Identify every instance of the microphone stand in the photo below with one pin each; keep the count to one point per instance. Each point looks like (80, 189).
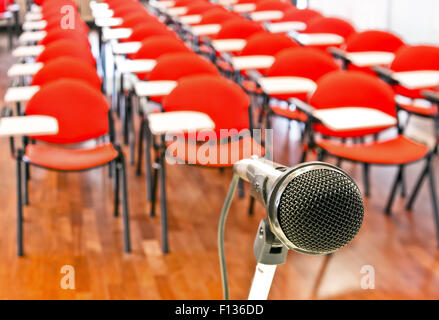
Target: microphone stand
(269, 253)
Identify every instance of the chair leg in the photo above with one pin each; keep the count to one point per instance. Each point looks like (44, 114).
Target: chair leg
(163, 205)
(148, 164)
(251, 206)
(366, 179)
(434, 202)
(116, 188)
(140, 147)
(403, 187)
(126, 216)
(26, 179)
(418, 185)
(131, 129)
(241, 189)
(110, 170)
(393, 192)
(19, 208)
(126, 120)
(153, 190)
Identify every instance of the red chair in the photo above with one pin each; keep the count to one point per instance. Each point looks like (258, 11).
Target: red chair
(134, 19)
(418, 142)
(66, 67)
(147, 30)
(265, 43)
(370, 40)
(128, 8)
(373, 40)
(335, 26)
(269, 44)
(115, 4)
(56, 34)
(155, 46)
(300, 62)
(174, 66)
(267, 5)
(414, 58)
(199, 7)
(185, 3)
(217, 16)
(330, 25)
(348, 89)
(82, 114)
(301, 15)
(67, 48)
(227, 105)
(238, 29)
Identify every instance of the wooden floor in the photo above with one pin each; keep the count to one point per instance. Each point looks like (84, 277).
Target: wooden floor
(70, 222)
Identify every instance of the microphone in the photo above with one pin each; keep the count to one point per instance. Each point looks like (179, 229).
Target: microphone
(312, 208)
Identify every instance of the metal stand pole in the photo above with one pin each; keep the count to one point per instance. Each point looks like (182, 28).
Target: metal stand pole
(269, 253)
(262, 280)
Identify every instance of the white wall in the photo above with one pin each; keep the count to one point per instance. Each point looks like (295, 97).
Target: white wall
(416, 21)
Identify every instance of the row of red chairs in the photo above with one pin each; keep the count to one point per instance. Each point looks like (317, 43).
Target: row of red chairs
(70, 91)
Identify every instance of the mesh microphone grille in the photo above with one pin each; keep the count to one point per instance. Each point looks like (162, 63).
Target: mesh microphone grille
(320, 211)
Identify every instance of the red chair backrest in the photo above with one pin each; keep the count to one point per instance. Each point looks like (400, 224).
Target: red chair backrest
(128, 8)
(146, 30)
(223, 100)
(66, 67)
(302, 62)
(353, 89)
(199, 7)
(155, 46)
(173, 66)
(185, 3)
(411, 58)
(217, 15)
(305, 15)
(118, 4)
(238, 29)
(330, 25)
(373, 40)
(81, 110)
(265, 43)
(67, 48)
(136, 18)
(281, 5)
(56, 34)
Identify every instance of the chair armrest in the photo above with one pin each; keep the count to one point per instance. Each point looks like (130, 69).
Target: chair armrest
(303, 106)
(179, 121)
(430, 95)
(385, 74)
(28, 126)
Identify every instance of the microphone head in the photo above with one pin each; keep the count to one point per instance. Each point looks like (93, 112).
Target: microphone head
(315, 208)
